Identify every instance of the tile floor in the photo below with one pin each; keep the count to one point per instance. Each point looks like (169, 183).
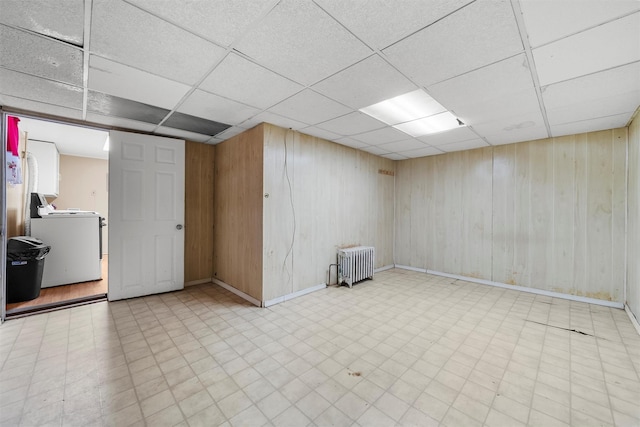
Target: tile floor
(404, 349)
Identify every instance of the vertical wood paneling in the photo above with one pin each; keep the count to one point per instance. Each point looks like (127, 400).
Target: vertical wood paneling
(336, 194)
(503, 224)
(633, 231)
(403, 213)
(237, 241)
(199, 215)
(546, 214)
(619, 206)
(564, 212)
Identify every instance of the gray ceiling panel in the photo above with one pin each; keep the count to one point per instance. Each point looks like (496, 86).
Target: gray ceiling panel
(195, 124)
(125, 108)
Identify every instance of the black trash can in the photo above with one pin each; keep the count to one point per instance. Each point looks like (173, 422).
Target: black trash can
(25, 263)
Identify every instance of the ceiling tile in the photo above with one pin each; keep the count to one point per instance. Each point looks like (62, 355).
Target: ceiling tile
(300, 41)
(214, 107)
(39, 107)
(404, 145)
(479, 34)
(422, 152)
(40, 56)
(221, 21)
(274, 119)
(607, 46)
(320, 133)
(119, 122)
(60, 19)
(381, 136)
(115, 106)
(126, 82)
(365, 83)
(374, 150)
(381, 23)
(242, 80)
(310, 107)
(130, 36)
(395, 156)
(182, 134)
(601, 94)
(601, 123)
(515, 128)
(549, 20)
(350, 142)
(229, 133)
(463, 145)
(526, 133)
(24, 86)
(462, 133)
(351, 124)
(194, 124)
(491, 92)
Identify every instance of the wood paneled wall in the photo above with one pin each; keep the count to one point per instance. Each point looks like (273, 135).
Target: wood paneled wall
(237, 238)
(324, 197)
(633, 233)
(546, 214)
(199, 191)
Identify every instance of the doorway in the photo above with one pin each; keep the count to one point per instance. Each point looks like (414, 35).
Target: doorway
(68, 165)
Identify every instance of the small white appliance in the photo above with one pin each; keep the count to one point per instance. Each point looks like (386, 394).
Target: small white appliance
(75, 238)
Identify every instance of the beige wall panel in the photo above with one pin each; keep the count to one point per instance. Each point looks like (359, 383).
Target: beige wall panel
(237, 195)
(503, 242)
(620, 140)
(83, 185)
(404, 170)
(476, 207)
(279, 227)
(633, 233)
(199, 215)
(541, 216)
(336, 193)
(419, 202)
(564, 214)
(546, 214)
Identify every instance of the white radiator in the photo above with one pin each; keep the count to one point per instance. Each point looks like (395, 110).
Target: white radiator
(355, 264)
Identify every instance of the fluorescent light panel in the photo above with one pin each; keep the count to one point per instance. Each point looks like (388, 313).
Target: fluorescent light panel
(414, 113)
(432, 124)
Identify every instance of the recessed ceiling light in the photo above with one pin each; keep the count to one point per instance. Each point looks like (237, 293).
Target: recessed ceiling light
(404, 108)
(432, 124)
(414, 113)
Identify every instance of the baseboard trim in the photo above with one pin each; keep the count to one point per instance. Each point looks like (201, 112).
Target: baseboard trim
(293, 295)
(633, 319)
(233, 290)
(552, 294)
(406, 267)
(386, 267)
(198, 282)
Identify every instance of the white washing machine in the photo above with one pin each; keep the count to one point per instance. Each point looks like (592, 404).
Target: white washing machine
(75, 238)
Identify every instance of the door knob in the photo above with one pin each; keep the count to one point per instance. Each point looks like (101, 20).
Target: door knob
(179, 227)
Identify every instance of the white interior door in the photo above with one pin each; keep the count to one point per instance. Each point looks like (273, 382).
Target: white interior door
(146, 215)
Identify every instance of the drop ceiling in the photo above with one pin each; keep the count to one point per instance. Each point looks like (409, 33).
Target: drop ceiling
(208, 70)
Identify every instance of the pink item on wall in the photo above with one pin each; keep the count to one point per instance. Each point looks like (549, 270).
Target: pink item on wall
(13, 135)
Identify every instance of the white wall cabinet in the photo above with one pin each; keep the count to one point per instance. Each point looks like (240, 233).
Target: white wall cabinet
(46, 153)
